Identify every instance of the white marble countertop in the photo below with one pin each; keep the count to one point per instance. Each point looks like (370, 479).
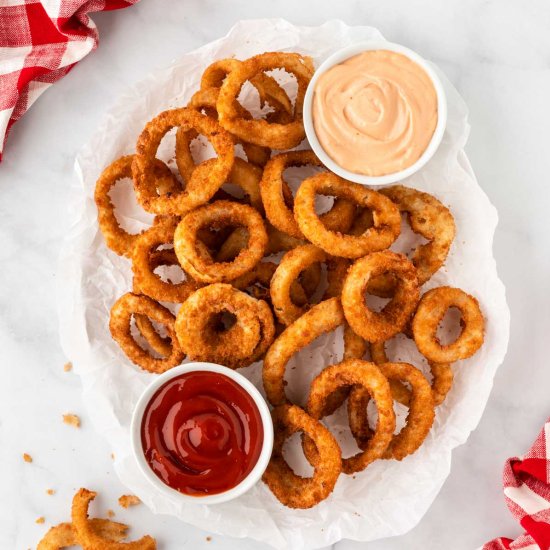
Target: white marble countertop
(497, 54)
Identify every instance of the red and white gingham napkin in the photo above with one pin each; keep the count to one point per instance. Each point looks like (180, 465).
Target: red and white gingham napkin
(41, 41)
(527, 492)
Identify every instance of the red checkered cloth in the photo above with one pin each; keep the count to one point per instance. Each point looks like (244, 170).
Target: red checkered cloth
(41, 41)
(527, 492)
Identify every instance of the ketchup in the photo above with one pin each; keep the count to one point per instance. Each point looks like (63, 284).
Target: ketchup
(202, 433)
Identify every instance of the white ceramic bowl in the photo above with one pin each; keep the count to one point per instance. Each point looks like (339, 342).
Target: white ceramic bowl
(339, 57)
(265, 454)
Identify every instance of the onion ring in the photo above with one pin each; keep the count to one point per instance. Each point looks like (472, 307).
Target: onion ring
(86, 535)
(198, 262)
(419, 419)
(321, 318)
(116, 238)
(428, 218)
(273, 186)
(162, 345)
(380, 326)
(367, 376)
(196, 324)
(146, 281)
(240, 345)
(431, 310)
(387, 221)
(205, 179)
(268, 88)
(269, 91)
(442, 377)
(63, 535)
(204, 101)
(120, 326)
(261, 132)
(259, 278)
(293, 263)
(214, 75)
(289, 488)
(354, 348)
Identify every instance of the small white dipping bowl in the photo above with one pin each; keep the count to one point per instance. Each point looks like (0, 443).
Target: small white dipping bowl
(265, 454)
(339, 57)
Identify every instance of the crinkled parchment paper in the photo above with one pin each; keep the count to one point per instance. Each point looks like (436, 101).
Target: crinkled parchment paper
(390, 497)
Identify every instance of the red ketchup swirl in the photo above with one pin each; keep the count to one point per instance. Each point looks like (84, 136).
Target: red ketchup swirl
(202, 433)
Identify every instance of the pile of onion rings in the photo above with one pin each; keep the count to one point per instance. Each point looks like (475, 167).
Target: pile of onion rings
(239, 267)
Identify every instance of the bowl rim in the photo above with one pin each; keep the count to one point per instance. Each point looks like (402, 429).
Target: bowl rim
(345, 53)
(267, 446)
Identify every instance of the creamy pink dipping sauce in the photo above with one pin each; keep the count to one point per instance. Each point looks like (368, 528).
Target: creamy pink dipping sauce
(375, 113)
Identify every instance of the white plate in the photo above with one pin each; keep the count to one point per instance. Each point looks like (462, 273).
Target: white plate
(388, 498)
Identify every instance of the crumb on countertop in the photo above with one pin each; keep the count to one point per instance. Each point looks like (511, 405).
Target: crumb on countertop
(50, 492)
(110, 513)
(129, 500)
(208, 539)
(72, 420)
(68, 366)
(40, 520)
(27, 457)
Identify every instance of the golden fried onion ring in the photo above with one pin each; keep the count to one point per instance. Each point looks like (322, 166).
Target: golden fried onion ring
(291, 489)
(205, 101)
(162, 345)
(89, 538)
(198, 262)
(205, 179)
(431, 310)
(146, 281)
(387, 221)
(428, 218)
(379, 326)
(268, 88)
(367, 376)
(258, 280)
(240, 345)
(259, 131)
(274, 196)
(116, 238)
(442, 377)
(321, 318)
(419, 418)
(292, 264)
(120, 326)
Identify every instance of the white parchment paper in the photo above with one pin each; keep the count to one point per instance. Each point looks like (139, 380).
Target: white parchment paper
(390, 497)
